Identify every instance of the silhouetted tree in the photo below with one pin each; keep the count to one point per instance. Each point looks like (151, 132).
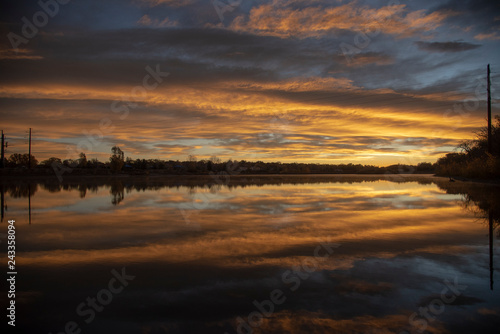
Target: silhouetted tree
(474, 160)
(117, 159)
(20, 160)
(82, 162)
(50, 161)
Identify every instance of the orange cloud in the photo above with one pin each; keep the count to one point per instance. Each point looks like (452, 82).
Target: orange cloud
(494, 36)
(148, 22)
(241, 120)
(279, 19)
(317, 322)
(18, 54)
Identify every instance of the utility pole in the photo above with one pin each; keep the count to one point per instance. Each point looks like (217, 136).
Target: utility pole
(29, 201)
(29, 155)
(3, 151)
(490, 148)
(2, 203)
(490, 220)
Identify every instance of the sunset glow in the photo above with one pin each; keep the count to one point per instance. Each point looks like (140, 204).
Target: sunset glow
(371, 82)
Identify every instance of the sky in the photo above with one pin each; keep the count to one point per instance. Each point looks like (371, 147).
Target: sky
(370, 82)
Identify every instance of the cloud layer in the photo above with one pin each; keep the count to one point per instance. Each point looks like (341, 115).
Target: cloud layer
(275, 80)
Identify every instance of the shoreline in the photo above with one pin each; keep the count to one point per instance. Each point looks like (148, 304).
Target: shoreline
(104, 176)
(46, 175)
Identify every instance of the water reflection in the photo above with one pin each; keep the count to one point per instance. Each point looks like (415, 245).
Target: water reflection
(117, 192)
(485, 205)
(400, 240)
(2, 202)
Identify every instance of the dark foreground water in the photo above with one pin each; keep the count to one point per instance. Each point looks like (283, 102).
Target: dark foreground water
(255, 255)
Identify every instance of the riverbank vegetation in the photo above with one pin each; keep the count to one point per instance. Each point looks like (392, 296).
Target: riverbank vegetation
(118, 164)
(474, 160)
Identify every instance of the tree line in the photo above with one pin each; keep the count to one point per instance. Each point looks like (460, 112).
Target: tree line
(118, 163)
(473, 159)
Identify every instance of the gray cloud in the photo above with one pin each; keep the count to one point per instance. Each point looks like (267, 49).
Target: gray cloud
(446, 46)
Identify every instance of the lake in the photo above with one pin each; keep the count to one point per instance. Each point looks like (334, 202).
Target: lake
(255, 254)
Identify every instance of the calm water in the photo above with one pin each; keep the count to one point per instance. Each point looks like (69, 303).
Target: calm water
(256, 254)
